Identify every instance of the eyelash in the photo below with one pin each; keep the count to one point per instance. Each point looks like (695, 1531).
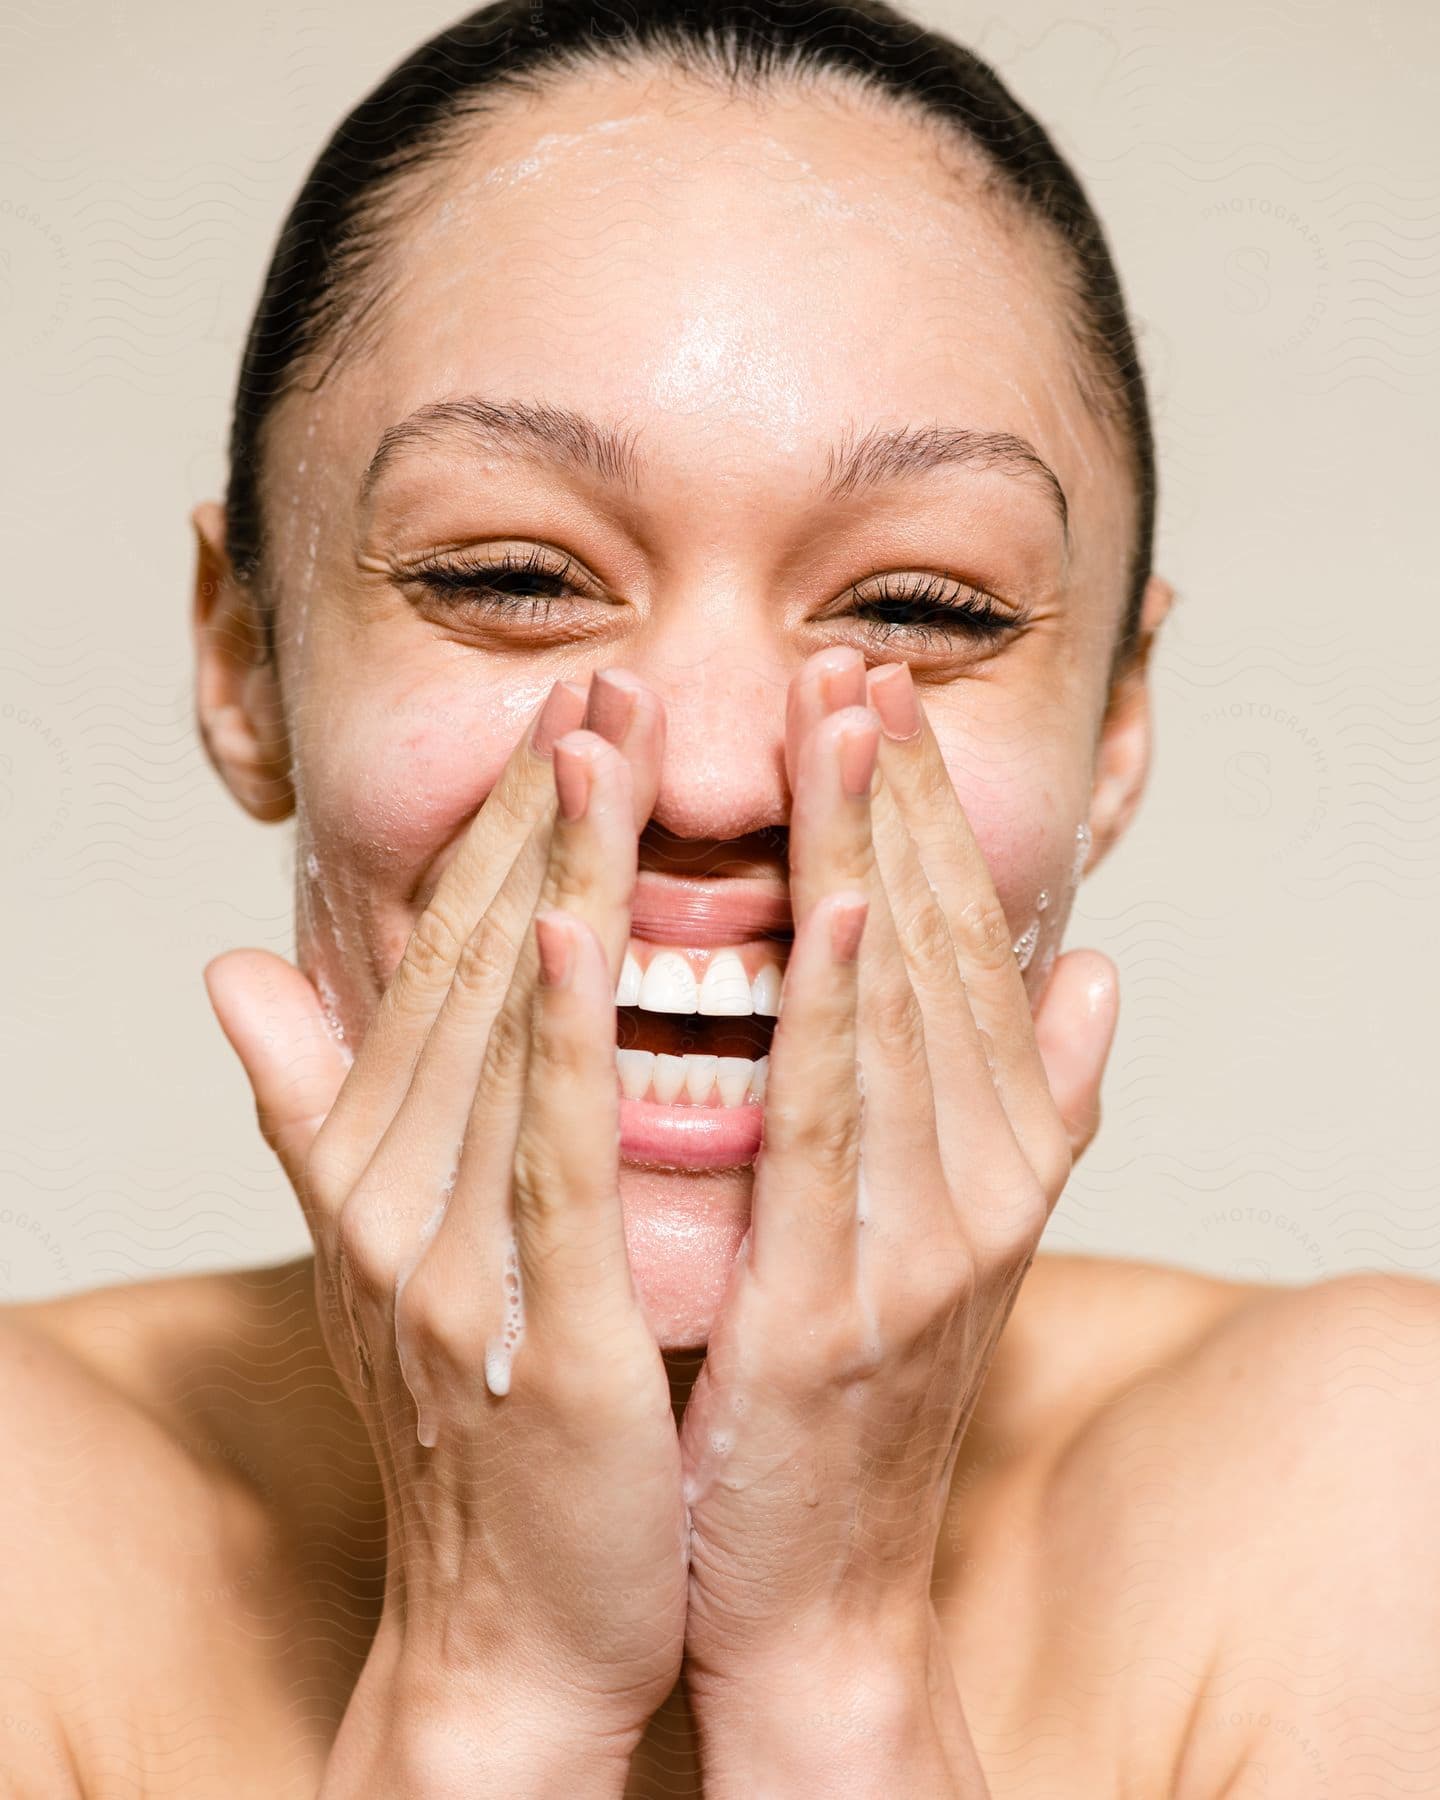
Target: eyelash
(476, 580)
(927, 608)
(935, 605)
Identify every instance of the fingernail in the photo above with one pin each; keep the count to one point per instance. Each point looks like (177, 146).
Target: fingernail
(613, 699)
(892, 694)
(847, 925)
(844, 686)
(556, 943)
(859, 745)
(573, 777)
(563, 710)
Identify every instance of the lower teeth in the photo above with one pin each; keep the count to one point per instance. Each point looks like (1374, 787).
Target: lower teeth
(691, 1080)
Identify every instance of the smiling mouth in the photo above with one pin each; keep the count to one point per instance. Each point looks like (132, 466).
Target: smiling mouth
(693, 1025)
(696, 1006)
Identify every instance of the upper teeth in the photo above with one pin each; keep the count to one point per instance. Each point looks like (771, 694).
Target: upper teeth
(668, 985)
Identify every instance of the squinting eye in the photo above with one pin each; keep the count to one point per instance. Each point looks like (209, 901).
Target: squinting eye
(533, 585)
(932, 608)
(527, 582)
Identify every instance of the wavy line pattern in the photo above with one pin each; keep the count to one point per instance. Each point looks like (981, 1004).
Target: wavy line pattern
(1268, 177)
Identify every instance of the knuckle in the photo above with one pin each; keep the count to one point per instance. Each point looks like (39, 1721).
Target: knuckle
(928, 938)
(1054, 1159)
(487, 958)
(1007, 1230)
(942, 1285)
(323, 1174)
(366, 1241)
(557, 1187)
(513, 812)
(441, 1326)
(566, 1057)
(837, 1351)
(505, 1049)
(437, 940)
(949, 1275)
(927, 1313)
(571, 882)
(827, 1139)
(898, 1023)
(532, 1175)
(984, 933)
(936, 785)
(855, 863)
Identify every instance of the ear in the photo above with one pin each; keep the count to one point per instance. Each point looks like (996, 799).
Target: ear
(237, 689)
(1122, 761)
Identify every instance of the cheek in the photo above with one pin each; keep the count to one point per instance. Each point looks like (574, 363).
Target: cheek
(388, 782)
(1026, 797)
(389, 786)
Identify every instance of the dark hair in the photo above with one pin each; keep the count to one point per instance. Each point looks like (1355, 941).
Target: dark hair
(337, 229)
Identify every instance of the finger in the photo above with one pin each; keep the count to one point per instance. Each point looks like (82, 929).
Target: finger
(415, 1165)
(831, 678)
(590, 874)
(969, 1111)
(918, 785)
(832, 849)
(276, 1025)
(830, 838)
(520, 800)
(804, 1221)
(420, 1149)
(1075, 1030)
(631, 716)
(569, 1234)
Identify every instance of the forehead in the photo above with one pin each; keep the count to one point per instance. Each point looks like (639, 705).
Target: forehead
(739, 280)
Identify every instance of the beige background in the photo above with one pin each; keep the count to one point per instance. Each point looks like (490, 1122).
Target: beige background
(1270, 177)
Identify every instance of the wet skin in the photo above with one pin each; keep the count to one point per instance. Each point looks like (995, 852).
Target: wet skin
(713, 257)
(744, 293)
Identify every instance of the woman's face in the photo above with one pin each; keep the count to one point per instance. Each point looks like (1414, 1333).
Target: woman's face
(745, 296)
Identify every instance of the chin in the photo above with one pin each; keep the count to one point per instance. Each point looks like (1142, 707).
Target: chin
(683, 1230)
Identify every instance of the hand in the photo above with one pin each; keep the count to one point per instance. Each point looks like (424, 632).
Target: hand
(463, 1173)
(914, 1148)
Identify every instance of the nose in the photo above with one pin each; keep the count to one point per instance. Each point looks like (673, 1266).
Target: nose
(723, 776)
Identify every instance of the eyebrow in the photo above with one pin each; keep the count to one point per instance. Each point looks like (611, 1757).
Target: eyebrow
(854, 465)
(881, 456)
(553, 433)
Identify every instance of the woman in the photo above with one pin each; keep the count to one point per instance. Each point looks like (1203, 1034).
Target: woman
(689, 528)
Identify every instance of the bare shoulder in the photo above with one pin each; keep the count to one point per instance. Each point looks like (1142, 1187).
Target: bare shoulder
(135, 1546)
(1319, 1517)
(47, 1444)
(1246, 1520)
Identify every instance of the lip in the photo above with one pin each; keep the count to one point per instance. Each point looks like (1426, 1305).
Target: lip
(678, 909)
(653, 1135)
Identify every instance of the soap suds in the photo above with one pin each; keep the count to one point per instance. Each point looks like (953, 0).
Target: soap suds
(1082, 851)
(1024, 945)
(500, 1350)
(330, 1007)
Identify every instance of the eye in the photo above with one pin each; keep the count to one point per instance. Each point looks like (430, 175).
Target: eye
(525, 583)
(931, 611)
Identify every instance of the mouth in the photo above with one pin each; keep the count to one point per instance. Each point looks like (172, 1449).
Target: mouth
(696, 1005)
